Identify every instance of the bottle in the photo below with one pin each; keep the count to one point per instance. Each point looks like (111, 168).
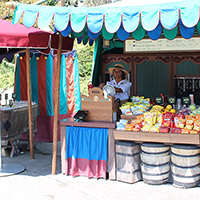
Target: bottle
(191, 99)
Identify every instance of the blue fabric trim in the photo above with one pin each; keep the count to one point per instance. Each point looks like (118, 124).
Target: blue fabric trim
(122, 34)
(91, 35)
(34, 80)
(49, 85)
(150, 19)
(30, 17)
(63, 87)
(87, 143)
(78, 21)
(76, 84)
(131, 21)
(95, 22)
(155, 34)
(79, 40)
(60, 17)
(169, 23)
(149, 16)
(72, 53)
(67, 31)
(91, 42)
(45, 18)
(190, 14)
(187, 33)
(18, 91)
(112, 22)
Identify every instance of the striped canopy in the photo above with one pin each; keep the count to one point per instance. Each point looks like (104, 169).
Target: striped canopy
(87, 24)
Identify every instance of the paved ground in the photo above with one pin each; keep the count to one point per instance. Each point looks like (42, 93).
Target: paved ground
(36, 182)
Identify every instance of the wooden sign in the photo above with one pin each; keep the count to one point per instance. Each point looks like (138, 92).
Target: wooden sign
(159, 100)
(186, 100)
(162, 44)
(171, 100)
(14, 95)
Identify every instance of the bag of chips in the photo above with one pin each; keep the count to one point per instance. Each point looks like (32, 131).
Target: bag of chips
(167, 119)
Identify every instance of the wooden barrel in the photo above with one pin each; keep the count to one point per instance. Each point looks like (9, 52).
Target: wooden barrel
(185, 177)
(155, 175)
(185, 166)
(155, 160)
(185, 150)
(128, 161)
(155, 148)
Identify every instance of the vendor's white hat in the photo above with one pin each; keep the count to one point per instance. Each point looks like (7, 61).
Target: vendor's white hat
(118, 66)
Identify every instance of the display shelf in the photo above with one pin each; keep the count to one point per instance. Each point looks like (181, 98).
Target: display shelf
(170, 138)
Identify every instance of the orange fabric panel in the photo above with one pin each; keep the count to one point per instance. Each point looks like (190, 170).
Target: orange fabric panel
(70, 85)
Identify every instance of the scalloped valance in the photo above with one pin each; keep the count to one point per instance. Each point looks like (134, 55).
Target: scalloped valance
(87, 24)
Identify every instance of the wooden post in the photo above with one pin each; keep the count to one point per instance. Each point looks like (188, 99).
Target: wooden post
(30, 120)
(56, 107)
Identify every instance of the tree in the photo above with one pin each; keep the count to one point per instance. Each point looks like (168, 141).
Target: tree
(96, 2)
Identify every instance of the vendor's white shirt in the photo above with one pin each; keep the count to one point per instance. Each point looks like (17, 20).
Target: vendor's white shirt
(124, 85)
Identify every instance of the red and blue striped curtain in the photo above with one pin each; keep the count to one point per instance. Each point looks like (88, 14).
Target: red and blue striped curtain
(43, 79)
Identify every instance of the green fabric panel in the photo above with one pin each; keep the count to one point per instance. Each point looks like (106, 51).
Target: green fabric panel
(170, 34)
(198, 27)
(152, 79)
(78, 35)
(72, 35)
(85, 38)
(116, 44)
(96, 64)
(187, 68)
(106, 34)
(139, 33)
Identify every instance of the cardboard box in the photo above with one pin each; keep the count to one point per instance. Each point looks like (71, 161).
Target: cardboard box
(100, 109)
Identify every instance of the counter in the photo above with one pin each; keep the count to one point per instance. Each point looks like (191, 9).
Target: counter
(90, 124)
(168, 138)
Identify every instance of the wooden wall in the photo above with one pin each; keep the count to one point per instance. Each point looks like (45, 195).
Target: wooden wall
(153, 70)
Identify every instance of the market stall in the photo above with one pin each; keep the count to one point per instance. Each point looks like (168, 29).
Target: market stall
(13, 39)
(123, 23)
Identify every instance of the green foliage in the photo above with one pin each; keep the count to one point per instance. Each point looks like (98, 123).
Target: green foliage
(85, 56)
(96, 2)
(7, 71)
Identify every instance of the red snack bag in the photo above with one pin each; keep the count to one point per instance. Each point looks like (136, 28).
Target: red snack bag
(164, 130)
(167, 120)
(176, 130)
(180, 115)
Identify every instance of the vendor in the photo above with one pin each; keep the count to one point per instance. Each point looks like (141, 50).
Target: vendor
(120, 82)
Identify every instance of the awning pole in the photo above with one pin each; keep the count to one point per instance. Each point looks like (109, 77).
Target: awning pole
(30, 119)
(56, 107)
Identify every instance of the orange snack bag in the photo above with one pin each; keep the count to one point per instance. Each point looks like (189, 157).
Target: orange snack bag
(129, 127)
(189, 120)
(187, 131)
(197, 124)
(179, 122)
(197, 116)
(140, 117)
(194, 132)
